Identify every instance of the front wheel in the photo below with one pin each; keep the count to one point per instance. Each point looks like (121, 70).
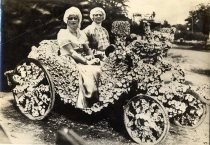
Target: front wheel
(145, 120)
(33, 91)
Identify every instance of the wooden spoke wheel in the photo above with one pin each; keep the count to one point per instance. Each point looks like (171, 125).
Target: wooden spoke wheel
(33, 92)
(145, 120)
(195, 113)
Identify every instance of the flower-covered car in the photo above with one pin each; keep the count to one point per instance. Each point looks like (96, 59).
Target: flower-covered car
(152, 90)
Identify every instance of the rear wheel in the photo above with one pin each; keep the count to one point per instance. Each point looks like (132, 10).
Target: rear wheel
(195, 113)
(145, 120)
(33, 91)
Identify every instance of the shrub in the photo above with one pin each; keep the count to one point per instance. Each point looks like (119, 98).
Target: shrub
(191, 36)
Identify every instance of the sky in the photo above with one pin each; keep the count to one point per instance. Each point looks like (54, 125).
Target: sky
(174, 11)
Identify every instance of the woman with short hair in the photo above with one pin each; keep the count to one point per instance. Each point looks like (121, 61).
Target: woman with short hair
(72, 41)
(73, 45)
(97, 35)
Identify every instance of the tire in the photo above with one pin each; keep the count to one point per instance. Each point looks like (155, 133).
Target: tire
(146, 120)
(195, 112)
(34, 91)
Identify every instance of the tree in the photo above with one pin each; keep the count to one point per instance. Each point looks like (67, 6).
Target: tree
(166, 24)
(180, 27)
(153, 14)
(199, 19)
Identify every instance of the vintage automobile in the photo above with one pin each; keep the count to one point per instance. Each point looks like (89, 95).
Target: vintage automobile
(152, 91)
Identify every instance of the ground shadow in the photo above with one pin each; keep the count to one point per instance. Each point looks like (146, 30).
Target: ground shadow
(205, 72)
(106, 124)
(177, 58)
(109, 119)
(198, 47)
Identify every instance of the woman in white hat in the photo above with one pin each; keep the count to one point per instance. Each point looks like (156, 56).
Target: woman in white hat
(72, 41)
(98, 36)
(73, 45)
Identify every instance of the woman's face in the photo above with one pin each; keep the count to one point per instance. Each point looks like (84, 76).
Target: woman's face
(73, 21)
(98, 17)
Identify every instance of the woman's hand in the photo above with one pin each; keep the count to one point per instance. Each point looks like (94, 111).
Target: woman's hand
(98, 52)
(94, 61)
(89, 57)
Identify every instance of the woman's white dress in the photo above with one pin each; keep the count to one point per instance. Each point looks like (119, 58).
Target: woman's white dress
(89, 74)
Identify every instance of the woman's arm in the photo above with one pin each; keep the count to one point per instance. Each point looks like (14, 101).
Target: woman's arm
(76, 56)
(88, 50)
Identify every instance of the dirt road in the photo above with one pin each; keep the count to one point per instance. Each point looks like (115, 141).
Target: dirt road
(99, 129)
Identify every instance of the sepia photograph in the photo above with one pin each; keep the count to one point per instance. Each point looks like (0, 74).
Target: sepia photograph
(105, 72)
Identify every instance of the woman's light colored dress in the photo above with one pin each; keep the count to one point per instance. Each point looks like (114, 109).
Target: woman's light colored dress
(89, 74)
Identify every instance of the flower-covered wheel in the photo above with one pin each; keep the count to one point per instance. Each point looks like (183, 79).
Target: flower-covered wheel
(145, 120)
(33, 91)
(194, 113)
